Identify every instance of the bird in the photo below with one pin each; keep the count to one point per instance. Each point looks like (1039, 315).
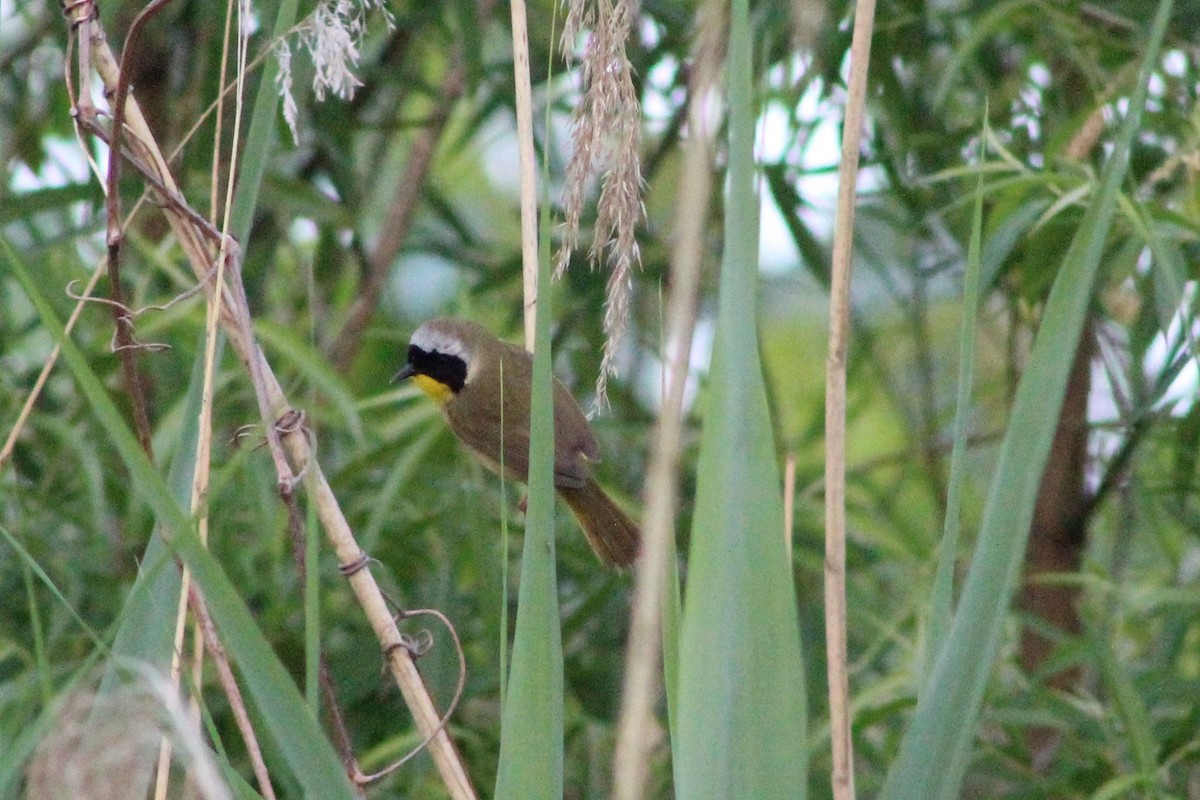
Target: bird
(482, 385)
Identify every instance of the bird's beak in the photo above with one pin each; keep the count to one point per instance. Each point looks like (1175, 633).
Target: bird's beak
(404, 374)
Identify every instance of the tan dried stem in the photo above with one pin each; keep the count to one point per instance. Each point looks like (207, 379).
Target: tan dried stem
(203, 461)
(835, 411)
(204, 635)
(631, 764)
(165, 747)
(606, 139)
(293, 447)
(528, 167)
(207, 633)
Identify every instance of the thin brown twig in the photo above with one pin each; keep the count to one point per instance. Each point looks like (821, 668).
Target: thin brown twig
(125, 346)
(151, 172)
(229, 686)
(134, 313)
(337, 720)
(120, 96)
(134, 385)
(840, 727)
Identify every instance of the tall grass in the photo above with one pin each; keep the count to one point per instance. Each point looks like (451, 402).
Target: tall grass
(285, 716)
(946, 715)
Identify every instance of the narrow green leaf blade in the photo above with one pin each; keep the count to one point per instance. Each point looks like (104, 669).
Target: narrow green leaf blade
(531, 732)
(942, 597)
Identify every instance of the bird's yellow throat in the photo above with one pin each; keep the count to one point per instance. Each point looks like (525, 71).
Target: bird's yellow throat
(440, 392)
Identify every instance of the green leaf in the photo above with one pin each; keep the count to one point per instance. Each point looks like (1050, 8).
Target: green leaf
(146, 633)
(741, 680)
(984, 29)
(148, 620)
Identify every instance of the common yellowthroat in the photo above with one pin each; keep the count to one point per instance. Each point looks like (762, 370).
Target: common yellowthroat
(477, 380)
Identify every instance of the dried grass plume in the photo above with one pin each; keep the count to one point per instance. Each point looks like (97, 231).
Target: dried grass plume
(100, 743)
(606, 137)
(333, 36)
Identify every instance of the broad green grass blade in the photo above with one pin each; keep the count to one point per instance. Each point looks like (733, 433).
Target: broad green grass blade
(147, 628)
(148, 625)
(942, 598)
(741, 680)
(934, 752)
(280, 706)
(39, 637)
(531, 730)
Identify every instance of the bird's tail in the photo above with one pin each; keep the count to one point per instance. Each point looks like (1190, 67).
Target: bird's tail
(614, 537)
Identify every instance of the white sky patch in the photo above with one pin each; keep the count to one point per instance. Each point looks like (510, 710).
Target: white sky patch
(326, 187)
(815, 158)
(500, 158)
(1105, 400)
(303, 232)
(424, 285)
(1174, 63)
(63, 167)
(248, 20)
(662, 97)
(1181, 394)
(1039, 75)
